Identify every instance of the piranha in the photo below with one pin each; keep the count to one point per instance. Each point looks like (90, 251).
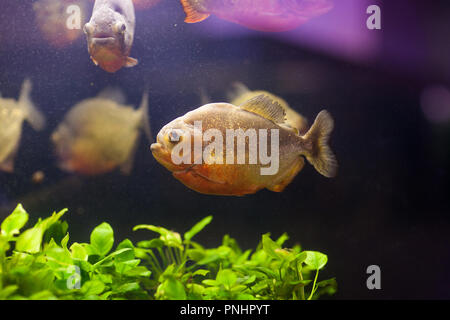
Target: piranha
(110, 34)
(262, 15)
(12, 115)
(241, 93)
(224, 167)
(100, 134)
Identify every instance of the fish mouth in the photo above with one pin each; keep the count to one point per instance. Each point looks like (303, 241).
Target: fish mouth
(103, 40)
(163, 156)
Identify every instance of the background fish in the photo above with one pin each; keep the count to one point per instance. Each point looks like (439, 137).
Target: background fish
(101, 134)
(51, 18)
(12, 114)
(262, 15)
(260, 112)
(241, 93)
(110, 34)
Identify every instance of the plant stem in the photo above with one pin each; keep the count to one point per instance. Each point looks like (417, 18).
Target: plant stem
(300, 276)
(302, 288)
(171, 255)
(155, 260)
(314, 284)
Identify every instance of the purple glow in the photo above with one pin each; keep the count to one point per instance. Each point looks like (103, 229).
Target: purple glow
(341, 32)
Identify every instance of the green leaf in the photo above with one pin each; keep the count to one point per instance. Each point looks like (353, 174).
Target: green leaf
(170, 238)
(151, 244)
(245, 296)
(127, 287)
(102, 239)
(78, 252)
(315, 260)
(59, 256)
(139, 271)
(201, 272)
(269, 246)
(249, 279)
(30, 240)
(327, 287)
(6, 292)
(226, 277)
(92, 287)
(301, 257)
(106, 261)
(171, 289)
(43, 295)
(55, 231)
(280, 241)
(128, 254)
(211, 282)
(197, 228)
(14, 222)
(124, 266)
(64, 241)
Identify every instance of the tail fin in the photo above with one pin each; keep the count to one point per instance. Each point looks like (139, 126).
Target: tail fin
(192, 15)
(145, 116)
(34, 116)
(320, 155)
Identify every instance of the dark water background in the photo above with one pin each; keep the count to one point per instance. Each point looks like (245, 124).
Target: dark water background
(389, 204)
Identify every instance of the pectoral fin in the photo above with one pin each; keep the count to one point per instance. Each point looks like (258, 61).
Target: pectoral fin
(131, 62)
(192, 15)
(34, 117)
(7, 164)
(127, 166)
(94, 61)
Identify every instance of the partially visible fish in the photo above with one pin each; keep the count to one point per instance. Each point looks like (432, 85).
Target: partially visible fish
(52, 17)
(100, 134)
(110, 34)
(12, 115)
(262, 15)
(241, 93)
(209, 171)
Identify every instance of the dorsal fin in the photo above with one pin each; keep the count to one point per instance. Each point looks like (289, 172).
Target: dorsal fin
(114, 94)
(264, 106)
(237, 90)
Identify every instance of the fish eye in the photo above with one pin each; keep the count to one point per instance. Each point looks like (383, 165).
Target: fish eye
(119, 27)
(174, 136)
(87, 28)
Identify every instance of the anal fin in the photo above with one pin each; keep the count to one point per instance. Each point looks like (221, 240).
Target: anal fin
(281, 183)
(192, 15)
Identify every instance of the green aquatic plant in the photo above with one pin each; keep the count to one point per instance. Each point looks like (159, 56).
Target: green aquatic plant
(38, 263)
